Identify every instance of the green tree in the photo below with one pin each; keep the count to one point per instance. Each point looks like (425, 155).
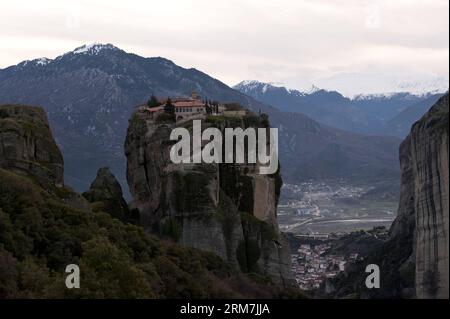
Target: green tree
(169, 108)
(153, 101)
(109, 272)
(169, 112)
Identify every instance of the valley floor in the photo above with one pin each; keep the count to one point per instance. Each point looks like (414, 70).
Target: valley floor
(333, 224)
(317, 259)
(321, 208)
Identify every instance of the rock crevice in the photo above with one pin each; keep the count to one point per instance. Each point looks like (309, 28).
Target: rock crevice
(424, 210)
(27, 146)
(227, 209)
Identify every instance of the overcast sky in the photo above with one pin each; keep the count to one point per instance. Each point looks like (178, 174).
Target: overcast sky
(354, 46)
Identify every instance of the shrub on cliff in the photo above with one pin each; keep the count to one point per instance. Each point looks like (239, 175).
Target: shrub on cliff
(153, 101)
(165, 118)
(40, 235)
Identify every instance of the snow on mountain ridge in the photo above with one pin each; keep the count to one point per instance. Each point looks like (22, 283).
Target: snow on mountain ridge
(39, 61)
(42, 61)
(93, 48)
(249, 85)
(411, 89)
(406, 94)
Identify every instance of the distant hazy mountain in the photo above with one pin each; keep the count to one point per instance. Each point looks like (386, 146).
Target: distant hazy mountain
(89, 94)
(416, 83)
(400, 124)
(367, 114)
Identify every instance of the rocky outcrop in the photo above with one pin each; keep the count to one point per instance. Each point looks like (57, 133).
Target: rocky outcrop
(423, 208)
(414, 261)
(106, 195)
(426, 153)
(227, 209)
(27, 145)
(88, 94)
(43, 228)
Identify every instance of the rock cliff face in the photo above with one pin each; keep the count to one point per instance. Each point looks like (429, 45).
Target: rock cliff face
(27, 145)
(414, 261)
(106, 195)
(43, 228)
(424, 200)
(227, 209)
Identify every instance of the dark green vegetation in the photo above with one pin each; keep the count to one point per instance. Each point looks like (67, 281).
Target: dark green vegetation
(191, 192)
(225, 208)
(361, 242)
(43, 228)
(39, 236)
(105, 194)
(440, 122)
(169, 113)
(258, 235)
(397, 272)
(153, 101)
(165, 118)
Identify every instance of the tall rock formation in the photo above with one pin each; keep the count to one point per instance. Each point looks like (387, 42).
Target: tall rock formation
(414, 261)
(227, 209)
(44, 228)
(89, 93)
(27, 145)
(425, 200)
(106, 195)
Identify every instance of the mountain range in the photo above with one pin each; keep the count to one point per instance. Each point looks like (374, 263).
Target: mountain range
(89, 94)
(376, 114)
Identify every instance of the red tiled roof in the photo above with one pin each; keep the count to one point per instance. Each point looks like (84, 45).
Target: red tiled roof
(187, 103)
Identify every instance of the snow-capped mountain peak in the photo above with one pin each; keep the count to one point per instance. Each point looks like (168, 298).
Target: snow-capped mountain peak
(42, 61)
(313, 89)
(251, 85)
(411, 88)
(93, 49)
(87, 49)
(35, 62)
(247, 86)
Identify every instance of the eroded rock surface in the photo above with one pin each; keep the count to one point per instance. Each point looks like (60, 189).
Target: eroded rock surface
(106, 194)
(27, 145)
(227, 209)
(423, 211)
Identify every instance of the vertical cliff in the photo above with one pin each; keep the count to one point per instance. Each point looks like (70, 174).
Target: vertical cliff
(414, 261)
(227, 209)
(45, 226)
(423, 211)
(27, 145)
(105, 194)
(428, 145)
